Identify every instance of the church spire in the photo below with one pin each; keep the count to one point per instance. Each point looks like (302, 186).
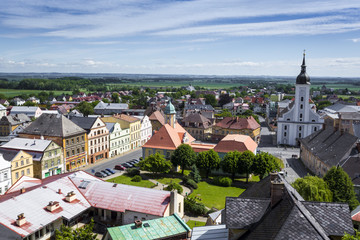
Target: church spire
(303, 66)
(303, 78)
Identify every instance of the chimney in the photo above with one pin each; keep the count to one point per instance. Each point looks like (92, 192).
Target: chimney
(324, 126)
(22, 190)
(341, 131)
(21, 220)
(138, 223)
(71, 196)
(173, 202)
(277, 189)
(52, 206)
(59, 191)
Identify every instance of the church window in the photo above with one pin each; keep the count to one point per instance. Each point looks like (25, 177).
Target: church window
(302, 99)
(288, 119)
(313, 120)
(315, 129)
(300, 115)
(299, 135)
(284, 134)
(301, 106)
(300, 128)
(285, 127)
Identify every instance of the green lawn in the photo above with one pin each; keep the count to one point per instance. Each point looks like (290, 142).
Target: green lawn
(192, 224)
(15, 92)
(167, 181)
(123, 179)
(214, 196)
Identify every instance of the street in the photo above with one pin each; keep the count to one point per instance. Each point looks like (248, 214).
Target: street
(293, 167)
(111, 162)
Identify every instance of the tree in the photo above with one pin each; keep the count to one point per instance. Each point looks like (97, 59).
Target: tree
(208, 161)
(224, 99)
(263, 164)
(246, 160)
(155, 163)
(29, 104)
(194, 174)
(210, 99)
(313, 188)
(224, 113)
(115, 97)
(341, 186)
(348, 236)
(85, 108)
(184, 156)
(230, 163)
(83, 233)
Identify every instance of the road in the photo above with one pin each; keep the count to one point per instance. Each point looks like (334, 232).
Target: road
(293, 167)
(111, 162)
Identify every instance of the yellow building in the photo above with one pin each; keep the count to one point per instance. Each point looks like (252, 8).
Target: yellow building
(21, 163)
(132, 123)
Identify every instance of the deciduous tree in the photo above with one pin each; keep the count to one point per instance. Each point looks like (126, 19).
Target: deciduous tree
(313, 188)
(230, 163)
(208, 161)
(263, 164)
(155, 163)
(83, 233)
(246, 160)
(184, 156)
(85, 108)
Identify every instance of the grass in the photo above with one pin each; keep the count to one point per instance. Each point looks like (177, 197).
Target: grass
(123, 179)
(214, 196)
(252, 178)
(192, 223)
(167, 181)
(10, 93)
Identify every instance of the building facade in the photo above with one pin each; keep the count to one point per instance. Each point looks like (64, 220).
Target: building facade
(145, 129)
(300, 120)
(119, 139)
(21, 163)
(10, 122)
(5, 175)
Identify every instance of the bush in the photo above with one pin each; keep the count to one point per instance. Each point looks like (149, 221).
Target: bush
(136, 178)
(131, 172)
(191, 183)
(176, 186)
(222, 181)
(191, 206)
(194, 174)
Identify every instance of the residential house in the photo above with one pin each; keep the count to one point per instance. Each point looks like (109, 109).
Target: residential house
(206, 110)
(33, 100)
(198, 126)
(21, 163)
(273, 209)
(167, 228)
(63, 132)
(235, 142)
(11, 122)
(145, 129)
(4, 102)
(18, 101)
(31, 112)
(237, 125)
(2, 111)
(48, 159)
(169, 136)
(72, 198)
(5, 175)
(130, 122)
(327, 148)
(157, 120)
(97, 137)
(110, 108)
(119, 139)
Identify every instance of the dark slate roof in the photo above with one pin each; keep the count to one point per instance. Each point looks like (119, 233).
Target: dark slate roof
(334, 224)
(9, 154)
(288, 108)
(110, 127)
(84, 122)
(53, 125)
(329, 145)
(351, 167)
(199, 107)
(259, 189)
(15, 119)
(198, 118)
(251, 211)
(290, 218)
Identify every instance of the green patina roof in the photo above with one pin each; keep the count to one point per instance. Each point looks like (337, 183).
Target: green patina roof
(158, 228)
(169, 109)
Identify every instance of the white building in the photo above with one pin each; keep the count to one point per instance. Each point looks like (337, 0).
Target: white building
(5, 175)
(2, 111)
(299, 120)
(119, 139)
(28, 111)
(145, 130)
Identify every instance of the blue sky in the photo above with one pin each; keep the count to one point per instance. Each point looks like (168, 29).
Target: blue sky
(211, 37)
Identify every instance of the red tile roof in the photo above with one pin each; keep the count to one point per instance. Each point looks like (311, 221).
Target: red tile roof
(238, 142)
(157, 116)
(238, 123)
(168, 137)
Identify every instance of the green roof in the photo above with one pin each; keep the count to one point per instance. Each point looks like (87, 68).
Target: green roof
(151, 229)
(169, 109)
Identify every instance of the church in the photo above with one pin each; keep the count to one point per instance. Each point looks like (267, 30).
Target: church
(299, 120)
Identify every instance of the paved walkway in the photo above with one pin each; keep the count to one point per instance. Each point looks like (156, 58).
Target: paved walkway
(160, 186)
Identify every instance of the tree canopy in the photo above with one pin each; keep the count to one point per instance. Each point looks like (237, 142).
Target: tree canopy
(83, 233)
(184, 156)
(85, 108)
(341, 186)
(155, 163)
(208, 161)
(246, 160)
(313, 188)
(263, 164)
(230, 163)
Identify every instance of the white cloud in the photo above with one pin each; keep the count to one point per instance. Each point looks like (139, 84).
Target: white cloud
(355, 40)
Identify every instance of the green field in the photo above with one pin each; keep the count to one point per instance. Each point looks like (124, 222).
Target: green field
(10, 93)
(178, 84)
(337, 86)
(123, 179)
(214, 196)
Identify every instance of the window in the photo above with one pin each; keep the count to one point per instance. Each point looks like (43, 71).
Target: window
(52, 163)
(49, 154)
(72, 141)
(46, 166)
(285, 127)
(315, 129)
(67, 154)
(27, 161)
(22, 173)
(82, 138)
(22, 162)
(17, 175)
(67, 142)
(28, 171)
(58, 162)
(5, 176)
(78, 150)
(83, 149)
(73, 152)
(77, 139)
(302, 99)
(300, 128)
(299, 135)
(284, 134)
(301, 106)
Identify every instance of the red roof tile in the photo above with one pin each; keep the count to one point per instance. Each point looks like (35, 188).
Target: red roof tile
(238, 123)
(238, 142)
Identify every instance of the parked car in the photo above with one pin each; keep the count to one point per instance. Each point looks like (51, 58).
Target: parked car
(120, 167)
(127, 165)
(104, 172)
(110, 170)
(100, 175)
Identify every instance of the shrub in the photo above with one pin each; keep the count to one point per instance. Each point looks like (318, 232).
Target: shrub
(176, 186)
(191, 206)
(136, 178)
(194, 174)
(132, 172)
(222, 181)
(191, 183)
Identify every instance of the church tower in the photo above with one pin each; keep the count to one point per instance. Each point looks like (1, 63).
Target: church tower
(300, 119)
(170, 114)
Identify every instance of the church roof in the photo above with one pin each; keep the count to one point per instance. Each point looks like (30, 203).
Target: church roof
(303, 78)
(169, 109)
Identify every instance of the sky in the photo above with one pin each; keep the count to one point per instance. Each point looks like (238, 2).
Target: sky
(202, 37)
